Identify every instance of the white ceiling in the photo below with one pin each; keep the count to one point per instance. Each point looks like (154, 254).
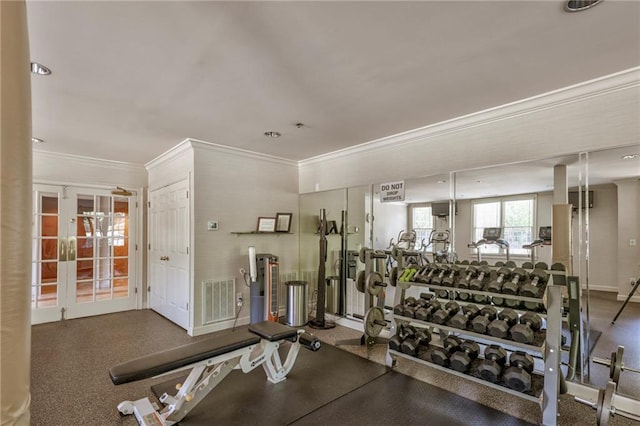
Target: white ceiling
(132, 79)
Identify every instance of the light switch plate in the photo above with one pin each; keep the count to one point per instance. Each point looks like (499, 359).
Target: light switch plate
(212, 225)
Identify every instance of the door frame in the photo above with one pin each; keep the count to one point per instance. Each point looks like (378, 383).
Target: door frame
(137, 235)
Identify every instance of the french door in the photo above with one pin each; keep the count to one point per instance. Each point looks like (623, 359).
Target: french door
(82, 253)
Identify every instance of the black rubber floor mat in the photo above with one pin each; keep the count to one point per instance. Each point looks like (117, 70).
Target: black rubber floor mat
(250, 399)
(396, 399)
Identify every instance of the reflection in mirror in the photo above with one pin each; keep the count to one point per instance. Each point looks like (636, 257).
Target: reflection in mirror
(358, 235)
(334, 202)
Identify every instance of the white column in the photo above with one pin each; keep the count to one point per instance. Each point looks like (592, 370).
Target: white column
(15, 214)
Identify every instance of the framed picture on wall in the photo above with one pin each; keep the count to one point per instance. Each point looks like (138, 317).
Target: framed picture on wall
(266, 224)
(283, 222)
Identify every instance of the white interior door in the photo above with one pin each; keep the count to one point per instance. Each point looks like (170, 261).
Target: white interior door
(169, 278)
(83, 253)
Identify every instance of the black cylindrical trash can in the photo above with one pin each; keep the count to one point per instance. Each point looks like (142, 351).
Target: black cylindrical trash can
(296, 303)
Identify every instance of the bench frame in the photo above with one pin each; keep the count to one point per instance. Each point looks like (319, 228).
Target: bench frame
(207, 374)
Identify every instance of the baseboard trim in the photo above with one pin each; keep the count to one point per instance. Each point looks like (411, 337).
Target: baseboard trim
(623, 297)
(218, 326)
(601, 288)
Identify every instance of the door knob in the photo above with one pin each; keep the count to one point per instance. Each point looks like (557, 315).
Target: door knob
(164, 257)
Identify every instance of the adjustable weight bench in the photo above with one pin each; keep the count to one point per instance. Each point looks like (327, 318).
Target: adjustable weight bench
(210, 361)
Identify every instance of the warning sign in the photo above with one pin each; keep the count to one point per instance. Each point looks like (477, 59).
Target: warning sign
(392, 191)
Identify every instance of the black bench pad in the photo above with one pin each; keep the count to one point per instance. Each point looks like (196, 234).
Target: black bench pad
(171, 359)
(274, 331)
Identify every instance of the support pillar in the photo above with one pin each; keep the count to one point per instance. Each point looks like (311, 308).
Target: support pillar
(15, 215)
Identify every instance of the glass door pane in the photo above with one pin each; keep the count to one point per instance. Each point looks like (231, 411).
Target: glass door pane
(102, 267)
(45, 246)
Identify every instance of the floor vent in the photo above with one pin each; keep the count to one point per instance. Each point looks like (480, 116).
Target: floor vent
(218, 300)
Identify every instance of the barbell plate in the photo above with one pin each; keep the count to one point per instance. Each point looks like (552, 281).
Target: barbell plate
(393, 276)
(395, 253)
(616, 364)
(360, 282)
(371, 283)
(362, 255)
(374, 314)
(605, 406)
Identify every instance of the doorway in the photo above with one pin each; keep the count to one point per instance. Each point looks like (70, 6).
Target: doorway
(83, 253)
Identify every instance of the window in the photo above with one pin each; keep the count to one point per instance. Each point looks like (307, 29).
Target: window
(514, 215)
(422, 223)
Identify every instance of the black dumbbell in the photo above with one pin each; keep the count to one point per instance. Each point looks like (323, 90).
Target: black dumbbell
(463, 282)
(410, 345)
(490, 367)
(478, 282)
(525, 331)
(510, 264)
(534, 287)
(409, 308)
(518, 375)
(470, 272)
(406, 332)
(499, 264)
(557, 267)
(449, 279)
(423, 275)
(461, 359)
(500, 327)
(495, 286)
(527, 265)
(460, 320)
(484, 318)
(437, 280)
(443, 314)
(424, 314)
(440, 355)
(513, 286)
(425, 296)
(396, 340)
(543, 266)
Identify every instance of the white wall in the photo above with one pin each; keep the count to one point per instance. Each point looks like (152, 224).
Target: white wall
(389, 220)
(603, 239)
(235, 188)
(628, 255)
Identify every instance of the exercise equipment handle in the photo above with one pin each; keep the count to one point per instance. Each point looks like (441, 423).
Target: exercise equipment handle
(309, 341)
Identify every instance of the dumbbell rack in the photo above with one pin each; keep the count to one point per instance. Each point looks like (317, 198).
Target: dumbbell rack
(546, 345)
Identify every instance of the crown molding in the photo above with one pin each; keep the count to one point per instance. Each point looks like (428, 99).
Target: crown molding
(623, 80)
(89, 161)
(209, 146)
(196, 144)
(169, 154)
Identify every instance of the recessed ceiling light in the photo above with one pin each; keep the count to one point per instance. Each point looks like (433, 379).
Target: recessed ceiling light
(39, 69)
(580, 5)
(272, 134)
(630, 156)
(441, 181)
(37, 140)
